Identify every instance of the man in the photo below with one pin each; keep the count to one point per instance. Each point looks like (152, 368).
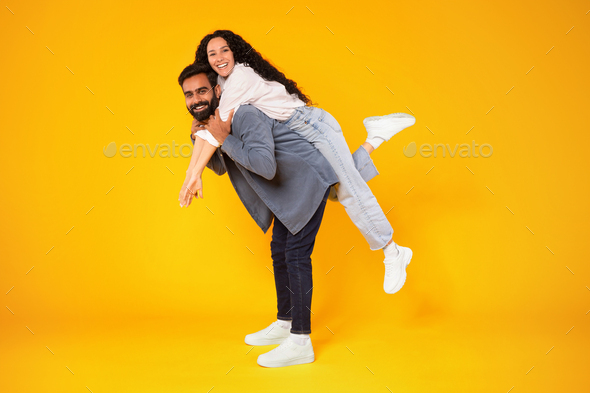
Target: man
(277, 174)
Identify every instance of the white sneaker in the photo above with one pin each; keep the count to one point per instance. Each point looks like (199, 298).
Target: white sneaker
(287, 354)
(273, 334)
(385, 127)
(395, 270)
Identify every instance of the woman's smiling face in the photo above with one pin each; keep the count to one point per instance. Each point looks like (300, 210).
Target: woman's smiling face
(221, 58)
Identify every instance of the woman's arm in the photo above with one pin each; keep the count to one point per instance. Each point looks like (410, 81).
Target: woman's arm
(215, 164)
(197, 148)
(193, 186)
(192, 183)
(199, 160)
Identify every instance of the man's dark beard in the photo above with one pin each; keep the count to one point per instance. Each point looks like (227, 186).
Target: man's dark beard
(207, 112)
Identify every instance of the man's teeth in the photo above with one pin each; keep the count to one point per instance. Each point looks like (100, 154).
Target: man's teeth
(200, 107)
(222, 65)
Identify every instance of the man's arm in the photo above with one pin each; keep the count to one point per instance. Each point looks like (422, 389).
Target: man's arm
(252, 144)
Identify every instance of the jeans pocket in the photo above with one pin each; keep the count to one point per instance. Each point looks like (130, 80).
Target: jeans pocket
(298, 119)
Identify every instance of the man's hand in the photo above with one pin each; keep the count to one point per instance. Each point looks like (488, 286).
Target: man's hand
(196, 126)
(219, 129)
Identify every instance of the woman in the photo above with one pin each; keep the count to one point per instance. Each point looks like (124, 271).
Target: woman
(246, 77)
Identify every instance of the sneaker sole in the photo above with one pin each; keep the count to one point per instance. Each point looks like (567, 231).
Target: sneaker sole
(293, 362)
(410, 120)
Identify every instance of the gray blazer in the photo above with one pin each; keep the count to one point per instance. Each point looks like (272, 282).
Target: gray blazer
(275, 171)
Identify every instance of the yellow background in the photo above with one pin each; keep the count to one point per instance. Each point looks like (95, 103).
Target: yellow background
(130, 293)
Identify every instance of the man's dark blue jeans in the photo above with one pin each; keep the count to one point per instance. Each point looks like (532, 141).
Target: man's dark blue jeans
(291, 256)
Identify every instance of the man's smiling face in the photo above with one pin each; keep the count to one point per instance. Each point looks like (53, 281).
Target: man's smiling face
(201, 99)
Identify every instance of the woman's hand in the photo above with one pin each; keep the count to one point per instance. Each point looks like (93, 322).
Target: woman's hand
(193, 186)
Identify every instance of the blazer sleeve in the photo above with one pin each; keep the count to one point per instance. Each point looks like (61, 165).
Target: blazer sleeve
(251, 143)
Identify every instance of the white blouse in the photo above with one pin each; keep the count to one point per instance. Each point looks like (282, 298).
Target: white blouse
(245, 86)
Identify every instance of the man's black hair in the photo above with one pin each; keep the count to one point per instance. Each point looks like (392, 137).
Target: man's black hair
(198, 68)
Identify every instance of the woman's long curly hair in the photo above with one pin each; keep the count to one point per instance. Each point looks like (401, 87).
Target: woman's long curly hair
(244, 53)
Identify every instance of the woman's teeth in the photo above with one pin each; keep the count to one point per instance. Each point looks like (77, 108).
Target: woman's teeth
(222, 66)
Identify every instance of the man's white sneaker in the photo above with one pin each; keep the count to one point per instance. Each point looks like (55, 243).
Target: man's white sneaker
(395, 270)
(287, 354)
(272, 334)
(384, 127)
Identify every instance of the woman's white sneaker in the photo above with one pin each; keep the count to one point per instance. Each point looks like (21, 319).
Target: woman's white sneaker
(395, 270)
(382, 128)
(272, 334)
(287, 354)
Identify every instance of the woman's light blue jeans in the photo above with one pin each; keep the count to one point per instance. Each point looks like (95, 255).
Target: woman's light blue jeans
(323, 131)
